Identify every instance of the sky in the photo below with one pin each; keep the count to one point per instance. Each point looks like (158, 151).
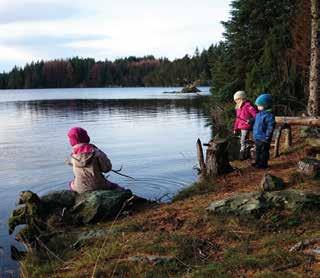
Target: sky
(32, 30)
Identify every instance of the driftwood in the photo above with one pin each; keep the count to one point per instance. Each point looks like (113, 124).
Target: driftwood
(288, 138)
(302, 121)
(217, 161)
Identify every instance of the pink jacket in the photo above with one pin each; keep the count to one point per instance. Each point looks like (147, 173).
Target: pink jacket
(88, 163)
(243, 114)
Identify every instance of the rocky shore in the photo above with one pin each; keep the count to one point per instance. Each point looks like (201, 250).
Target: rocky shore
(249, 223)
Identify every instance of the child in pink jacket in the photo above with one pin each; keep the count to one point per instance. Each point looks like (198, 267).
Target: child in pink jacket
(245, 115)
(88, 163)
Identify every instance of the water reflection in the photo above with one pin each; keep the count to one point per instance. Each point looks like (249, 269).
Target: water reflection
(154, 140)
(132, 107)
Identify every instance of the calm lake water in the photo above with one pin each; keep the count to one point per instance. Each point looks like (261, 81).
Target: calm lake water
(151, 134)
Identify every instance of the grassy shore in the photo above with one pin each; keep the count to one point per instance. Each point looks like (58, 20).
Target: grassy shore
(180, 239)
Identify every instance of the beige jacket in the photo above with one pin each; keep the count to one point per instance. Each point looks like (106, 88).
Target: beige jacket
(88, 169)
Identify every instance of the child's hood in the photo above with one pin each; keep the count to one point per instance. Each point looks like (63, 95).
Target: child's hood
(83, 159)
(83, 154)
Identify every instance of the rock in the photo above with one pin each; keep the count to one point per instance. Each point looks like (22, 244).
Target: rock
(257, 203)
(309, 247)
(304, 244)
(271, 183)
(309, 167)
(155, 260)
(99, 205)
(62, 198)
(190, 89)
(307, 132)
(60, 209)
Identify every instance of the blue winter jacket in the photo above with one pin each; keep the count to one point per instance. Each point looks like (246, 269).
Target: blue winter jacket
(263, 127)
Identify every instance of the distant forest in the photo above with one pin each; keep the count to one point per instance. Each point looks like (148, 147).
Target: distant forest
(125, 72)
(266, 48)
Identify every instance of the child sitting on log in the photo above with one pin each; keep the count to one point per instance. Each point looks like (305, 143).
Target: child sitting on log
(245, 114)
(263, 130)
(88, 163)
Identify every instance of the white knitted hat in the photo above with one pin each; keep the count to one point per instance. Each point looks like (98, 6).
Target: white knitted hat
(239, 94)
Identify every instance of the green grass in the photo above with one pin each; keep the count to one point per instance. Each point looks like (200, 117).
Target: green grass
(224, 246)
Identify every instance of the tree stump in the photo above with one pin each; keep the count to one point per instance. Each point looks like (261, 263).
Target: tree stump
(217, 161)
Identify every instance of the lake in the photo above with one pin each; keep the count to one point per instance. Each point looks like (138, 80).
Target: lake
(151, 134)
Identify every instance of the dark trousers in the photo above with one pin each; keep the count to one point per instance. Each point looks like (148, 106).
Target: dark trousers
(262, 154)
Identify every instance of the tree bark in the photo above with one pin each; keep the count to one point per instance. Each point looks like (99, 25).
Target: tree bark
(217, 161)
(313, 102)
(200, 156)
(302, 121)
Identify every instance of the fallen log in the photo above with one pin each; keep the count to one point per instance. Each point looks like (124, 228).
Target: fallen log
(302, 121)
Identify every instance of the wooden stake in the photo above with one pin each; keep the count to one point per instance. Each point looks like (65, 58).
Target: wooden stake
(201, 157)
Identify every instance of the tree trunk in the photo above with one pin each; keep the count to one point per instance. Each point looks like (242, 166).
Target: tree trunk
(217, 161)
(313, 102)
(302, 121)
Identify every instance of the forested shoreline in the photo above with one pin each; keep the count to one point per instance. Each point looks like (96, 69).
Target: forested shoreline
(125, 72)
(266, 47)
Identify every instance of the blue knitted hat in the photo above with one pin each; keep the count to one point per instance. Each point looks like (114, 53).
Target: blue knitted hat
(264, 100)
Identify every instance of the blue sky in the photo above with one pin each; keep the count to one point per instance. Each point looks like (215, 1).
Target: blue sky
(32, 30)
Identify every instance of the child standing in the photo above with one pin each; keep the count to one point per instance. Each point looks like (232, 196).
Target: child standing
(88, 163)
(245, 115)
(263, 130)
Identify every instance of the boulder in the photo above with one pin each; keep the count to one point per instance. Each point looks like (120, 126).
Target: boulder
(271, 183)
(257, 203)
(60, 209)
(94, 206)
(309, 167)
(62, 198)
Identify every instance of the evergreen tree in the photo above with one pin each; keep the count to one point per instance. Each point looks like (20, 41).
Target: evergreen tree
(255, 53)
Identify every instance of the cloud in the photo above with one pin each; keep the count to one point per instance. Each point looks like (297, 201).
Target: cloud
(51, 40)
(10, 57)
(49, 29)
(24, 11)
